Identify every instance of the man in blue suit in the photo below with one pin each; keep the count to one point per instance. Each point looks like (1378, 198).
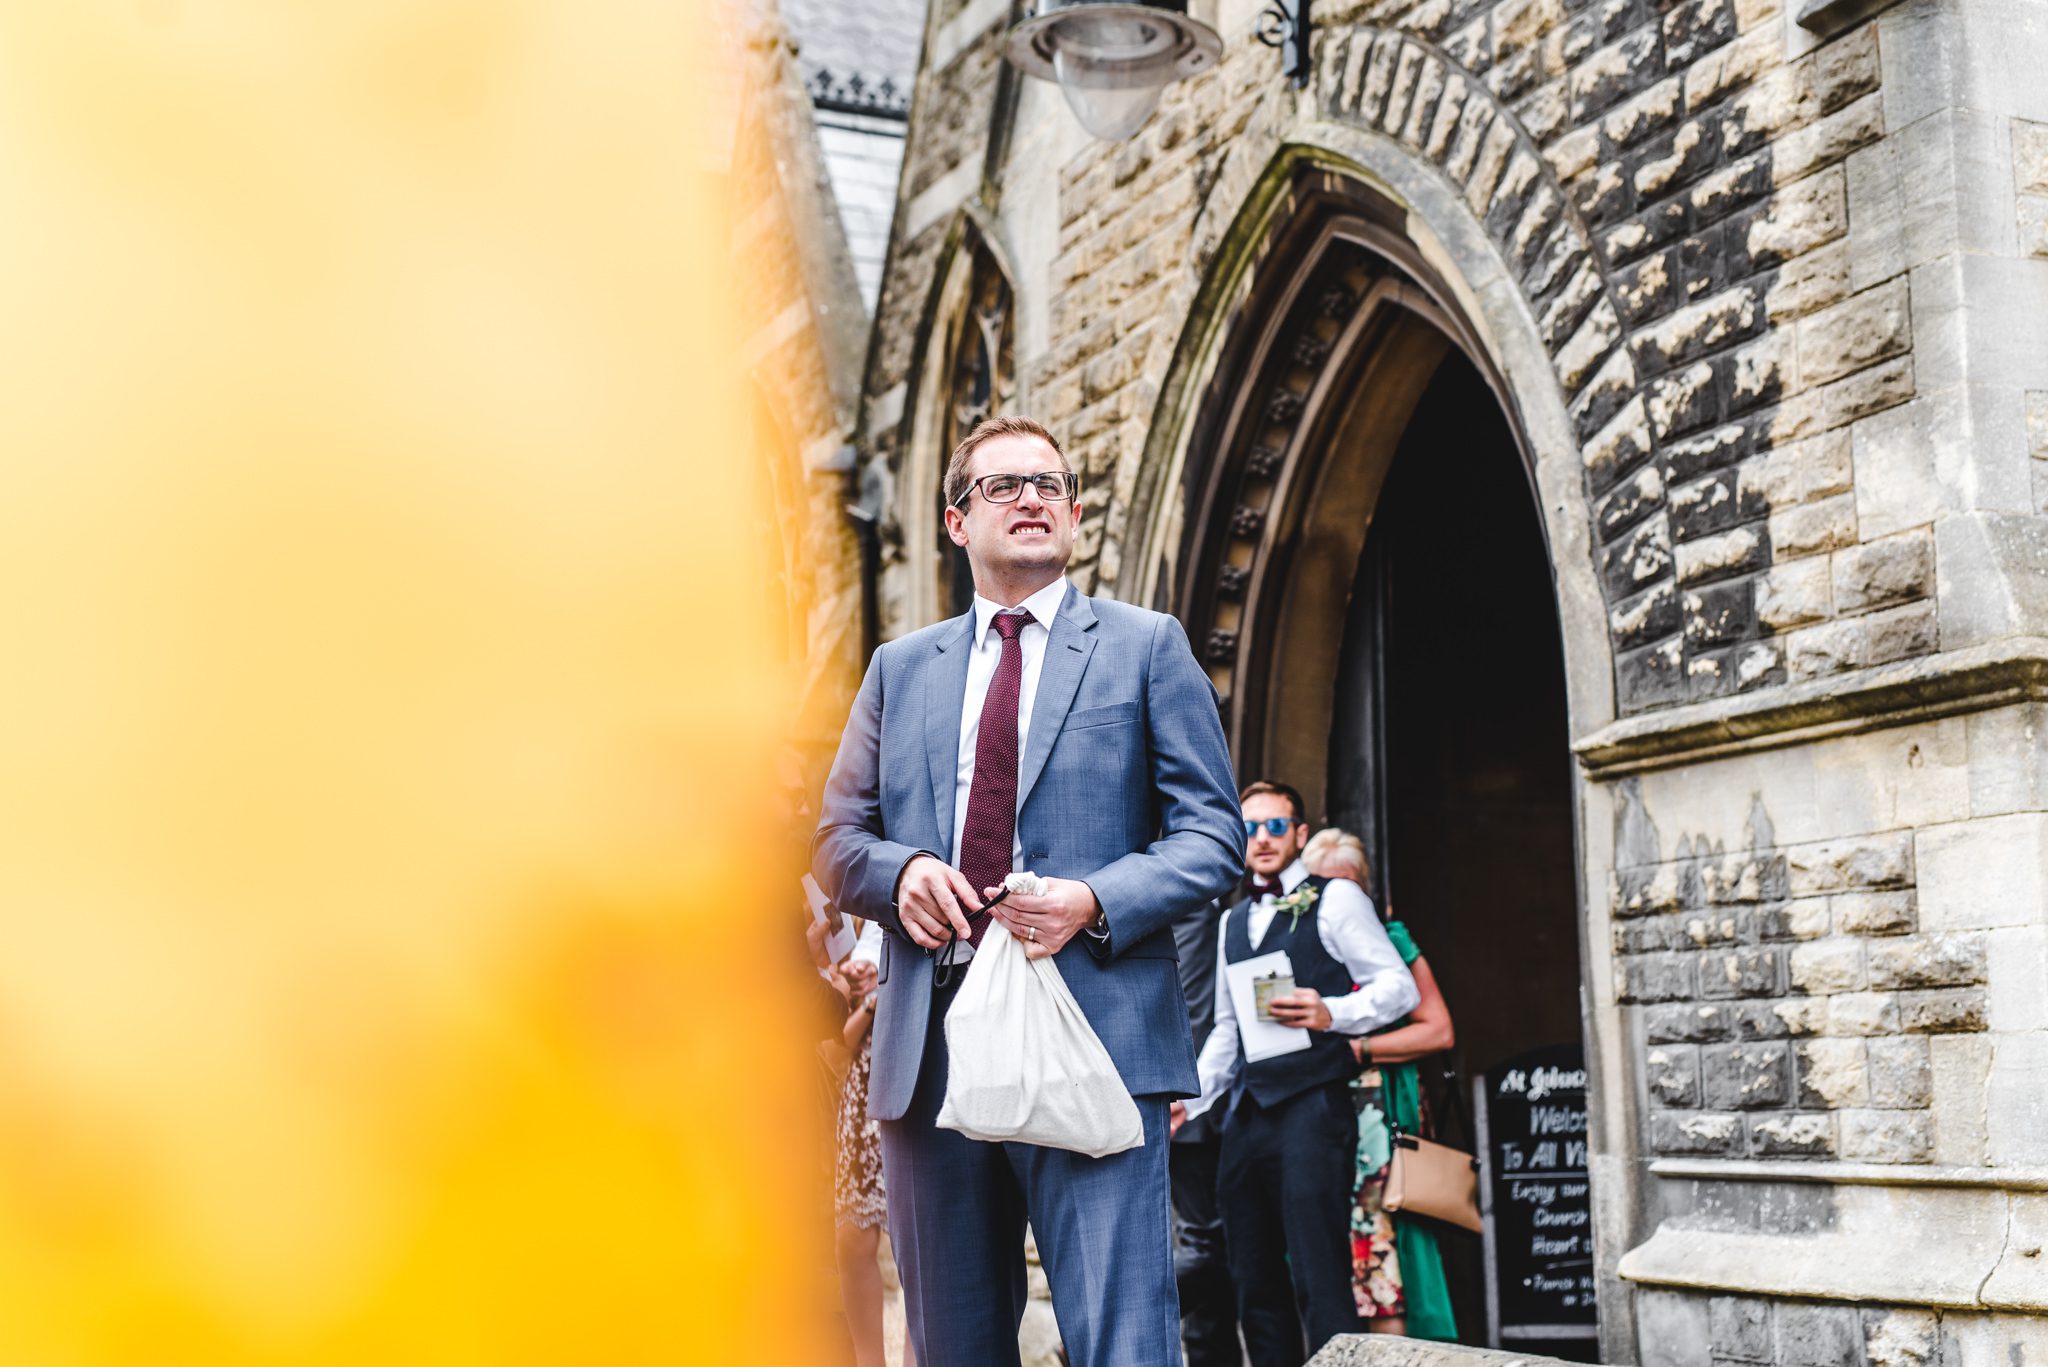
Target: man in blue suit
(1075, 737)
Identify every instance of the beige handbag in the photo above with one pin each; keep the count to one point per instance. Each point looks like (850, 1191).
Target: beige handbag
(1428, 1178)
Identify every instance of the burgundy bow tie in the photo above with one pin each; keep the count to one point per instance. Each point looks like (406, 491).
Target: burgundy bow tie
(1256, 887)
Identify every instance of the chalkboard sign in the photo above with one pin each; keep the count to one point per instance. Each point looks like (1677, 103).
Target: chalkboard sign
(1539, 1226)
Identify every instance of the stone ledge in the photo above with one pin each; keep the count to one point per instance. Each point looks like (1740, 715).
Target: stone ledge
(1972, 680)
(1826, 18)
(1972, 1249)
(1390, 1350)
(1858, 1174)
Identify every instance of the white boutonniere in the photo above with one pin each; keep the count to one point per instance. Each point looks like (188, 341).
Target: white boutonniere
(1295, 904)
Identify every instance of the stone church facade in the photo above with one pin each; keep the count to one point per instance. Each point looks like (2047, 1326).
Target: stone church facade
(1755, 293)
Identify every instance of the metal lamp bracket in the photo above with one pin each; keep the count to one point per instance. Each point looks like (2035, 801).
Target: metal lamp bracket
(1285, 24)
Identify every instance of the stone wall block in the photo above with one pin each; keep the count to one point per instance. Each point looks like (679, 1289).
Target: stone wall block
(1714, 449)
(1648, 288)
(1794, 594)
(1408, 64)
(1983, 873)
(1686, 1022)
(1741, 972)
(1639, 559)
(1816, 1335)
(1811, 282)
(1833, 1073)
(1826, 967)
(1692, 150)
(1379, 78)
(1716, 614)
(1887, 1136)
(1954, 960)
(1611, 75)
(1900, 633)
(1707, 505)
(1693, 30)
(1835, 405)
(1651, 675)
(1571, 305)
(1829, 141)
(1863, 1013)
(1646, 934)
(1672, 1072)
(1862, 330)
(1880, 573)
(1947, 1011)
(1874, 913)
(1429, 87)
(1763, 372)
(1666, 977)
(1741, 550)
(1695, 1134)
(1587, 348)
(1876, 861)
(2030, 156)
(1672, 1327)
(1809, 528)
(1741, 1328)
(1650, 616)
(1807, 918)
(1721, 73)
(1684, 401)
(1645, 116)
(1474, 123)
(1802, 471)
(1697, 329)
(1901, 1338)
(1628, 503)
(1794, 1017)
(1746, 1077)
(1901, 1073)
(1791, 1136)
(1443, 123)
(1610, 396)
(1798, 219)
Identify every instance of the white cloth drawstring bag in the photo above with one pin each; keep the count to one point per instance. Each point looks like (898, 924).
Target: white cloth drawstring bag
(1025, 1065)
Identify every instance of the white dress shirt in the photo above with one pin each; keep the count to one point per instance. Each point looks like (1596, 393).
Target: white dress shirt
(1351, 933)
(868, 948)
(982, 659)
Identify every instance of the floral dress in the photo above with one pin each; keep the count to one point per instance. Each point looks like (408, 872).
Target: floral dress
(1396, 1267)
(858, 1197)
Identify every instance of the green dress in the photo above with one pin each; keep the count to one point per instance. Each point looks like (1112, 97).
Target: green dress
(1413, 1279)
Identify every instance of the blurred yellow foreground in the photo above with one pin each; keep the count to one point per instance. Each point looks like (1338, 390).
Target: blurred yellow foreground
(385, 966)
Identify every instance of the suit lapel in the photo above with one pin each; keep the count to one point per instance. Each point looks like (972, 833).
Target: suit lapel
(1059, 678)
(945, 690)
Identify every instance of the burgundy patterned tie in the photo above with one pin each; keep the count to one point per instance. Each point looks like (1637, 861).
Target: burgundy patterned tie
(987, 839)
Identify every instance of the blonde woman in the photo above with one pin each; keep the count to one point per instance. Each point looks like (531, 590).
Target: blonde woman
(1397, 1271)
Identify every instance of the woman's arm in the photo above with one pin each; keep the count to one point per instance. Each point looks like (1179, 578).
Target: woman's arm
(859, 1022)
(1427, 1032)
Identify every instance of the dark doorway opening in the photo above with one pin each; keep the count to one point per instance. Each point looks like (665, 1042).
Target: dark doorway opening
(1450, 746)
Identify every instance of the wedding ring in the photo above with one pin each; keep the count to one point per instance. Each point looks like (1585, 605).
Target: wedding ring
(1031, 934)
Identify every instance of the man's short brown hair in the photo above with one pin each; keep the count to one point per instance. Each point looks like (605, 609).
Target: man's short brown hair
(1267, 785)
(987, 430)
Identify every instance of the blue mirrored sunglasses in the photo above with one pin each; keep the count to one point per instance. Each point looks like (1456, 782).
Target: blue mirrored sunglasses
(1275, 826)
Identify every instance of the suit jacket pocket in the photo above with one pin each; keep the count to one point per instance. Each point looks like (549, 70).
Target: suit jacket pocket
(1101, 716)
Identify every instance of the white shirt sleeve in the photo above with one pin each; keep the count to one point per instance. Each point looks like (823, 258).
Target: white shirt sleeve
(868, 948)
(1350, 930)
(1216, 1066)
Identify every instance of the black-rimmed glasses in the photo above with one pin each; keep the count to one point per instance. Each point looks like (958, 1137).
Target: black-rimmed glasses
(1054, 486)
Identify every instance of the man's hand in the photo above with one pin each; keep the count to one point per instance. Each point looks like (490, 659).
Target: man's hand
(860, 976)
(1043, 924)
(1176, 1116)
(1304, 1009)
(932, 901)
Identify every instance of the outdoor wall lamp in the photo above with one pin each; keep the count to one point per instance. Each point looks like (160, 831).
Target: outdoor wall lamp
(1112, 58)
(1285, 24)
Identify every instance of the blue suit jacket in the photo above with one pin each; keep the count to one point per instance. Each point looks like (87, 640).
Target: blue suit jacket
(1125, 783)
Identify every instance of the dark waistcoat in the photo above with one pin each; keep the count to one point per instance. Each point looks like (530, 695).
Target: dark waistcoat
(1328, 1057)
